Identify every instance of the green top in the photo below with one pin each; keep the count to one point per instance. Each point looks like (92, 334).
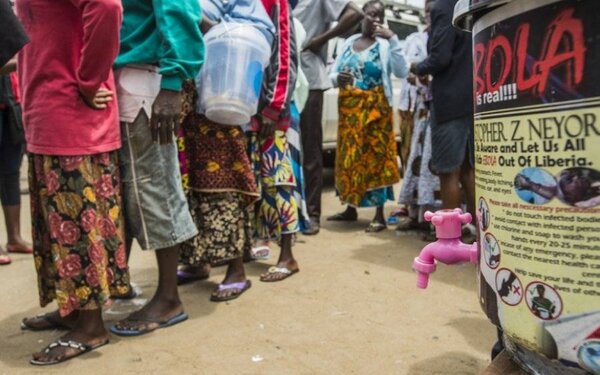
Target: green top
(165, 33)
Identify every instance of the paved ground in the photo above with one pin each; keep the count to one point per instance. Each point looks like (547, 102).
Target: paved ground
(353, 309)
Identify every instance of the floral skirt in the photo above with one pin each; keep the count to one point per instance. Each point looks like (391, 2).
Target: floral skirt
(223, 225)
(77, 229)
(366, 157)
(276, 212)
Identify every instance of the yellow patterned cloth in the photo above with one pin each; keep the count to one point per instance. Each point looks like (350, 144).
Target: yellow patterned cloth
(277, 211)
(366, 156)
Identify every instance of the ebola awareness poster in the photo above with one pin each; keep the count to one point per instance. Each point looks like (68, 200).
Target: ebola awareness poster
(537, 147)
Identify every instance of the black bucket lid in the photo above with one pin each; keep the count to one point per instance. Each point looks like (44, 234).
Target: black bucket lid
(466, 12)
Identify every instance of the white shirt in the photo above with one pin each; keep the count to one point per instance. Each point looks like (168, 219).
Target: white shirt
(415, 51)
(137, 88)
(316, 17)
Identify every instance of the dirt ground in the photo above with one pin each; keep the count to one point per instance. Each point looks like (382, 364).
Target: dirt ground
(353, 309)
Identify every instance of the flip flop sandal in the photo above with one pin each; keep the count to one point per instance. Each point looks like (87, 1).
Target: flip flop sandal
(184, 277)
(286, 272)
(407, 224)
(241, 287)
(375, 227)
(181, 317)
(17, 250)
(260, 253)
(51, 324)
(81, 347)
(399, 212)
(341, 216)
(5, 260)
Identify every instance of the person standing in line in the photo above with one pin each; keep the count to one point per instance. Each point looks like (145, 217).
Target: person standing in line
(415, 50)
(12, 142)
(450, 62)
(12, 39)
(161, 46)
(222, 185)
(12, 35)
(276, 215)
(316, 17)
(366, 157)
(72, 132)
(420, 188)
(294, 134)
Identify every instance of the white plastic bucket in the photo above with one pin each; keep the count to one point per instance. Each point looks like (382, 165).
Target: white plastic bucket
(229, 84)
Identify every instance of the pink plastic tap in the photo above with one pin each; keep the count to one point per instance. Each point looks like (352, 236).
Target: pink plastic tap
(448, 249)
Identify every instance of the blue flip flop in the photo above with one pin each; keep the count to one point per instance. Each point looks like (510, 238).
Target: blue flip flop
(138, 332)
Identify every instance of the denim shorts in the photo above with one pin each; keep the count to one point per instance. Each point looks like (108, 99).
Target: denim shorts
(154, 203)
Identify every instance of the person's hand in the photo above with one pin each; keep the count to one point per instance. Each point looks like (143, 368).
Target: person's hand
(413, 68)
(382, 32)
(11, 66)
(267, 127)
(206, 24)
(424, 80)
(345, 79)
(314, 45)
(412, 79)
(166, 110)
(100, 99)
(522, 182)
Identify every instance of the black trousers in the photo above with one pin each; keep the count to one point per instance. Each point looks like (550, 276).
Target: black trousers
(312, 146)
(10, 164)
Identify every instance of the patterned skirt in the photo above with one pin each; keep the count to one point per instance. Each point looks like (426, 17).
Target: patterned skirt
(220, 188)
(420, 187)
(295, 144)
(77, 230)
(224, 228)
(366, 159)
(277, 211)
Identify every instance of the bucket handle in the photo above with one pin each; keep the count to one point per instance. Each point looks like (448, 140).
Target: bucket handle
(229, 26)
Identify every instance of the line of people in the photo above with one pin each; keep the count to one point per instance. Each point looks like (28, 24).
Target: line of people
(106, 85)
(104, 172)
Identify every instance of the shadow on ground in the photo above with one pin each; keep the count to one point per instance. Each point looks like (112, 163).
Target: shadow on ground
(448, 363)
(14, 339)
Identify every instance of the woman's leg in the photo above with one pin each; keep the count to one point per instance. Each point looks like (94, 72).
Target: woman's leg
(450, 189)
(12, 217)
(379, 216)
(286, 265)
(10, 193)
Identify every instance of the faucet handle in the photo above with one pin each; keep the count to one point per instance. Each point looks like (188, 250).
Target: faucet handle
(448, 222)
(435, 218)
(465, 218)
